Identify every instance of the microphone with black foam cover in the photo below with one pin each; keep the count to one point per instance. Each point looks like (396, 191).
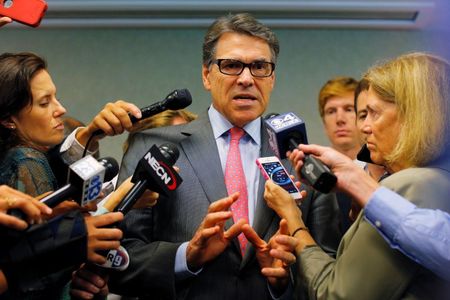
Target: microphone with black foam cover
(178, 99)
(286, 132)
(86, 177)
(154, 172)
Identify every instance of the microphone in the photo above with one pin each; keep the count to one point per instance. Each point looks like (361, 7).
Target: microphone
(154, 172)
(177, 99)
(286, 132)
(86, 177)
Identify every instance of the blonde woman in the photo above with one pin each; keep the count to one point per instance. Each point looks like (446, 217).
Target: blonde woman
(407, 129)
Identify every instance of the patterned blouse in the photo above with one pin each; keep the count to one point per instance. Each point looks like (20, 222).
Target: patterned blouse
(27, 170)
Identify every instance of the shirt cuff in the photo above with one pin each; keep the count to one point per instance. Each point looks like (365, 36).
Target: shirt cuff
(71, 150)
(181, 268)
(386, 210)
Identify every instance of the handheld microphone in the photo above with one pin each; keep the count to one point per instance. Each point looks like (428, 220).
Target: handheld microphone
(177, 99)
(286, 132)
(154, 172)
(86, 177)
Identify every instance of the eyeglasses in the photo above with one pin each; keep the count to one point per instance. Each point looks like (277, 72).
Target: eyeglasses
(236, 67)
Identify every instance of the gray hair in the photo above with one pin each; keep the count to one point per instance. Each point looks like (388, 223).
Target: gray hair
(243, 23)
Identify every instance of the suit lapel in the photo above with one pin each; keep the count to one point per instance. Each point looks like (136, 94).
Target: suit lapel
(201, 151)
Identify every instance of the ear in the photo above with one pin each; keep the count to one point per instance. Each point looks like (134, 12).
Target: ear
(205, 77)
(273, 80)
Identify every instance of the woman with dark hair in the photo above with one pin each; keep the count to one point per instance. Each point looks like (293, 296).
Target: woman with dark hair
(30, 117)
(30, 124)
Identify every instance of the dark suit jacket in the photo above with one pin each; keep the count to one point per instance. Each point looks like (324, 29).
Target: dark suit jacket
(153, 235)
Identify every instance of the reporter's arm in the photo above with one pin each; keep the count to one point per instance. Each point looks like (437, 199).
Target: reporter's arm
(421, 234)
(113, 119)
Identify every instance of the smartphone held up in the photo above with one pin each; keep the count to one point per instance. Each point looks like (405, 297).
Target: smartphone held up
(28, 12)
(272, 169)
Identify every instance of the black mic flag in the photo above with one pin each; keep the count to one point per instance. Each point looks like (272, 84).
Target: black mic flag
(154, 172)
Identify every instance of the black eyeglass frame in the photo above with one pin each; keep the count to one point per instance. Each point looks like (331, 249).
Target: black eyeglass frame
(244, 65)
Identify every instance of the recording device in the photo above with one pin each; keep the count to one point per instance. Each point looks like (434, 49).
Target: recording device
(154, 172)
(86, 177)
(286, 132)
(177, 99)
(28, 12)
(272, 169)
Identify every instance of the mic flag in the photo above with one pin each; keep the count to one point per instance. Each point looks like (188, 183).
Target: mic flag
(286, 132)
(86, 177)
(154, 172)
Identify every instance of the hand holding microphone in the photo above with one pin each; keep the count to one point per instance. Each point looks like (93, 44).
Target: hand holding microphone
(33, 210)
(154, 172)
(117, 117)
(286, 132)
(85, 181)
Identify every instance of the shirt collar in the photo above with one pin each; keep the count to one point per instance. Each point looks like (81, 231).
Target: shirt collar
(221, 125)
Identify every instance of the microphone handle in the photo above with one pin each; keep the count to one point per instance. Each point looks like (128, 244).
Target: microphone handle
(315, 172)
(59, 196)
(150, 110)
(132, 196)
(147, 111)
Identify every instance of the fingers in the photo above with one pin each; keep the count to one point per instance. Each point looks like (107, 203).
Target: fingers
(114, 118)
(65, 207)
(234, 230)
(5, 20)
(106, 219)
(13, 199)
(85, 284)
(206, 234)
(216, 218)
(224, 203)
(253, 237)
(106, 234)
(286, 242)
(283, 227)
(148, 199)
(312, 149)
(12, 222)
(275, 272)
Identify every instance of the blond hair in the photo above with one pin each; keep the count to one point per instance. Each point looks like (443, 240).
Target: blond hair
(418, 84)
(338, 86)
(162, 119)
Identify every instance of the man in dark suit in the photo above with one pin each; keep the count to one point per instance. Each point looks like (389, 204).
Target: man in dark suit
(185, 247)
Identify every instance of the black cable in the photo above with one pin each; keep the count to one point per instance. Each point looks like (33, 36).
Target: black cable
(87, 145)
